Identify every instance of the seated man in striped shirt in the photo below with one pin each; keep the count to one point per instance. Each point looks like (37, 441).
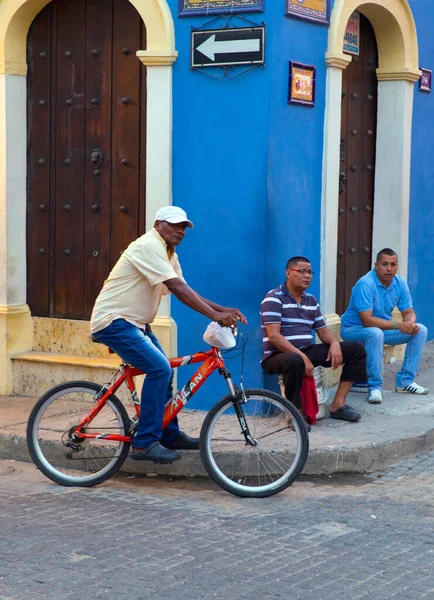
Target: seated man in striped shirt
(288, 317)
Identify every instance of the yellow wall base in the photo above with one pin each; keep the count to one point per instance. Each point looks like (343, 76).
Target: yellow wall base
(67, 336)
(16, 335)
(331, 377)
(60, 350)
(166, 331)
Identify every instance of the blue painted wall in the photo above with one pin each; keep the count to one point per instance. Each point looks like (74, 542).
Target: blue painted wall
(295, 149)
(247, 168)
(421, 234)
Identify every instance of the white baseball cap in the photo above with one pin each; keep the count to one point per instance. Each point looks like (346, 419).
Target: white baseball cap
(173, 214)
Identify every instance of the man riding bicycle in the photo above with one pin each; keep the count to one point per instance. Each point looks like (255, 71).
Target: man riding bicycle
(128, 302)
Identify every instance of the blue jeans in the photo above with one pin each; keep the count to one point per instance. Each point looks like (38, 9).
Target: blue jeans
(140, 348)
(374, 339)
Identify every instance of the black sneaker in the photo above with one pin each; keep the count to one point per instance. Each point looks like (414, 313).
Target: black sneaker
(183, 442)
(156, 453)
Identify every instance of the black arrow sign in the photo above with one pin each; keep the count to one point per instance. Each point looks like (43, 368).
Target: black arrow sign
(224, 47)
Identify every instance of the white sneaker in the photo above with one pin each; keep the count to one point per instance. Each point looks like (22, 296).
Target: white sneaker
(359, 387)
(375, 397)
(412, 388)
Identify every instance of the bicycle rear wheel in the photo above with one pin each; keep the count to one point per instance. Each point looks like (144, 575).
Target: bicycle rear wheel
(260, 470)
(73, 462)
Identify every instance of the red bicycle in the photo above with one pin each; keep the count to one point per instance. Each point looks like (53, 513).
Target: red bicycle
(253, 442)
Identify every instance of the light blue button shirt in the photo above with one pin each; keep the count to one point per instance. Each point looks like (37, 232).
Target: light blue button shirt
(370, 294)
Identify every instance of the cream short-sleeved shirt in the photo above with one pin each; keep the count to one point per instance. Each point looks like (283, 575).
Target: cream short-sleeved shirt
(134, 288)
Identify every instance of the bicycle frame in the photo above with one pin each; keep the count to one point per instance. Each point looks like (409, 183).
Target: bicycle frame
(212, 360)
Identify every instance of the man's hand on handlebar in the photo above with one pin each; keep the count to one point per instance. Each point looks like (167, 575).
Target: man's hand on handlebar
(230, 317)
(239, 315)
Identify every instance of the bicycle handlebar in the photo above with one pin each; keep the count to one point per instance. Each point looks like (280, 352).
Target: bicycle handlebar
(230, 326)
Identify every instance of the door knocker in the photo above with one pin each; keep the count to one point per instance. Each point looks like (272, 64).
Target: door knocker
(96, 158)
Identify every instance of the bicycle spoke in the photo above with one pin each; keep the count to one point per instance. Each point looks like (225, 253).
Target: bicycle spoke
(63, 455)
(271, 433)
(254, 470)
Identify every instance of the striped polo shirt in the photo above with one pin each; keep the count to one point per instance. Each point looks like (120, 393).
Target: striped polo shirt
(296, 320)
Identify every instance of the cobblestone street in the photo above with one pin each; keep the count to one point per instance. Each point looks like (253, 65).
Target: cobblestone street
(352, 537)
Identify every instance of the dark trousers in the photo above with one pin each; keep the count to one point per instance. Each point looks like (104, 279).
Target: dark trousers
(291, 366)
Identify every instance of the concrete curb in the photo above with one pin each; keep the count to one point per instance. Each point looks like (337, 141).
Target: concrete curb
(321, 461)
(367, 458)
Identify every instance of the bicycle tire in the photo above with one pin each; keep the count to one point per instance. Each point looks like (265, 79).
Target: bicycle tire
(57, 412)
(254, 471)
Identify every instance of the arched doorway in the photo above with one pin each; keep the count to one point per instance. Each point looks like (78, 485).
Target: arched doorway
(396, 36)
(16, 17)
(86, 160)
(357, 165)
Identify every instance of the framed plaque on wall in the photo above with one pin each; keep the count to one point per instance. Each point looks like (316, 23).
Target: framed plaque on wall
(301, 84)
(312, 10)
(190, 8)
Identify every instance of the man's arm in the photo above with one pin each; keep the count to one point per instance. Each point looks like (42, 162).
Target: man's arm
(409, 318)
(364, 299)
(189, 297)
(326, 336)
(335, 353)
(408, 324)
(279, 342)
(224, 309)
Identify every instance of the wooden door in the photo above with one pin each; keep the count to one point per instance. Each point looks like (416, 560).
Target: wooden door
(86, 111)
(357, 166)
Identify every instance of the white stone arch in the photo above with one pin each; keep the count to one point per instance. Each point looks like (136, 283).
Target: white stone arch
(397, 43)
(16, 16)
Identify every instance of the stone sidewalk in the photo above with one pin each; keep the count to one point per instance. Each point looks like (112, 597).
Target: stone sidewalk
(401, 427)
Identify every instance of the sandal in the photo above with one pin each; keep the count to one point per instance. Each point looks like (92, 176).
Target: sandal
(346, 413)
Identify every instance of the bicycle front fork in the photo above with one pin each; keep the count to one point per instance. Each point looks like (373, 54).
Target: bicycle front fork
(239, 398)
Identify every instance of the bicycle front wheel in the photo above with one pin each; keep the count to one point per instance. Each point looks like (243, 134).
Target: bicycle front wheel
(61, 457)
(280, 449)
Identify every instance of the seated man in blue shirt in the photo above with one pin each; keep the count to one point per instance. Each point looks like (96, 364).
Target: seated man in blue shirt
(289, 318)
(368, 319)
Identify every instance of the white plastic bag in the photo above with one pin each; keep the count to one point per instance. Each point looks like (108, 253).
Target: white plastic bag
(218, 336)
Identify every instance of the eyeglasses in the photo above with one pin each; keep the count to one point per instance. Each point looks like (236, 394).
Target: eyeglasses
(303, 271)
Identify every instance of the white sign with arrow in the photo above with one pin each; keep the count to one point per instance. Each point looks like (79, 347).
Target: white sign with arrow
(211, 47)
(238, 46)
